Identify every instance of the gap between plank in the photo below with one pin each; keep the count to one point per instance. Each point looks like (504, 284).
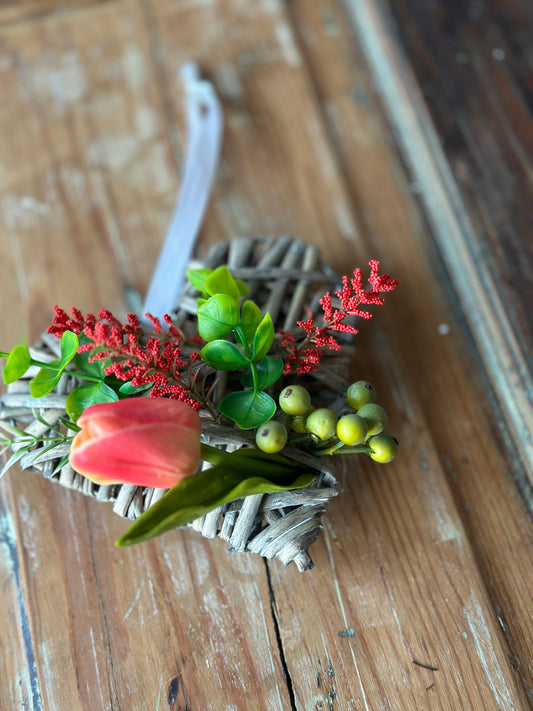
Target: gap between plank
(283, 660)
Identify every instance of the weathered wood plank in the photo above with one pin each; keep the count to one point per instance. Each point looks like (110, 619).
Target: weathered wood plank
(473, 172)
(89, 178)
(405, 578)
(88, 185)
(496, 519)
(30, 10)
(167, 626)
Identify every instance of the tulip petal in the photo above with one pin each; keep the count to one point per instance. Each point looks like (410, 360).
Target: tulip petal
(144, 456)
(138, 410)
(140, 441)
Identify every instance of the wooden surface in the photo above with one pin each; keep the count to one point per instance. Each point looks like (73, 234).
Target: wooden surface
(338, 114)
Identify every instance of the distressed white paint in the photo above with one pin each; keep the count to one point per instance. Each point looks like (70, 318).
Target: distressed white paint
(345, 619)
(135, 600)
(271, 7)
(74, 183)
(21, 685)
(324, 161)
(113, 152)
(443, 527)
(33, 205)
(228, 82)
(61, 78)
(146, 122)
(31, 528)
(134, 67)
(344, 220)
(22, 211)
(486, 654)
(285, 38)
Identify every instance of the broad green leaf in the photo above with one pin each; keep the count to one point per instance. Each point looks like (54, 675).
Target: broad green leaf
(81, 360)
(263, 338)
(18, 362)
(46, 379)
(251, 317)
(195, 496)
(223, 355)
(127, 389)
(85, 395)
(243, 287)
(197, 278)
(257, 454)
(247, 408)
(69, 346)
(269, 370)
(222, 282)
(94, 370)
(217, 317)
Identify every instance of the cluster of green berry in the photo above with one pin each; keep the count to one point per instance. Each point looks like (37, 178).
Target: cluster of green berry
(322, 432)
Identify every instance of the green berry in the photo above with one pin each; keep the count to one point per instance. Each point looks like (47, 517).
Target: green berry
(360, 393)
(298, 424)
(383, 448)
(352, 429)
(375, 416)
(294, 400)
(271, 437)
(322, 423)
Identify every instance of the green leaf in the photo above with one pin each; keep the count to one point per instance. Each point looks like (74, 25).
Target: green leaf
(81, 360)
(46, 379)
(269, 370)
(59, 466)
(18, 362)
(279, 459)
(195, 496)
(129, 390)
(15, 457)
(263, 338)
(85, 395)
(223, 355)
(69, 346)
(48, 376)
(251, 317)
(222, 282)
(247, 408)
(197, 278)
(68, 424)
(15, 431)
(217, 317)
(243, 287)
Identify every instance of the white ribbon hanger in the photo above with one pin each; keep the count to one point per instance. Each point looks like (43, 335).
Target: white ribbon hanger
(204, 128)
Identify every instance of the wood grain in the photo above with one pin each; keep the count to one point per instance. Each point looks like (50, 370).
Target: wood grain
(421, 594)
(479, 205)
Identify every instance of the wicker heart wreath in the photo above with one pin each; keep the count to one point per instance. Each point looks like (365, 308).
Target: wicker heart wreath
(220, 417)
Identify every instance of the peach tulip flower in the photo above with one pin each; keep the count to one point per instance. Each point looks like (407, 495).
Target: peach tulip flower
(141, 441)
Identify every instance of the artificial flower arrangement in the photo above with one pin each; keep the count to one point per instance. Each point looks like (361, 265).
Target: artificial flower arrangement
(210, 409)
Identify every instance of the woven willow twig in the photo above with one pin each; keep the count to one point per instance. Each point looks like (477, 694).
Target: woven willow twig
(285, 278)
